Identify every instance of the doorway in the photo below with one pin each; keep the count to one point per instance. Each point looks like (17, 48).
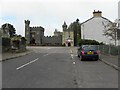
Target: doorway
(69, 44)
(32, 42)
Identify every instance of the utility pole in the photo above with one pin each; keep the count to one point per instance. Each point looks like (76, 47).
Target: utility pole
(118, 38)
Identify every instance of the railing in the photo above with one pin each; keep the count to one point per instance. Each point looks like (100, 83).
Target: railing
(109, 49)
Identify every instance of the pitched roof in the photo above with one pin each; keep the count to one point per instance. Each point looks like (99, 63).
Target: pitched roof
(87, 20)
(94, 17)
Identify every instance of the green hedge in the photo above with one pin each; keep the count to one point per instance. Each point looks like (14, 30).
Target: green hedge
(6, 44)
(89, 42)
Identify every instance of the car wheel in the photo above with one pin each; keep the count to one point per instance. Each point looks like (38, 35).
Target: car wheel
(96, 59)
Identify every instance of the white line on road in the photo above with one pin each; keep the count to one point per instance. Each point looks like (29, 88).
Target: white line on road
(26, 64)
(71, 51)
(73, 62)
(45, 54)
(72, 56)
(48, 48)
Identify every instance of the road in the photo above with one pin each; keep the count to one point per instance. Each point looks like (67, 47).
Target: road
(57, 67)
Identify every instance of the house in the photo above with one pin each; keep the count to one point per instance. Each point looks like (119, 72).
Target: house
(94, 27)
(118, 23)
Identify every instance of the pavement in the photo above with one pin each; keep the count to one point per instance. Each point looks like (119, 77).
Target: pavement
(10, 55)
(57, 67)
(111, 60)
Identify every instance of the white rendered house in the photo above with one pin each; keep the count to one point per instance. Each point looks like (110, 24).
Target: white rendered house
(93, 28)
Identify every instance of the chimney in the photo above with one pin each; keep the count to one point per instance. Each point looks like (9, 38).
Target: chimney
(97, 13)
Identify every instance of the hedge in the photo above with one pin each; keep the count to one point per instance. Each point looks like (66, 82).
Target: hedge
(89, 42)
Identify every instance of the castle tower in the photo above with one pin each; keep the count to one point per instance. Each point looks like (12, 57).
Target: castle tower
(27, 31)
(68, 36)
(64, 26)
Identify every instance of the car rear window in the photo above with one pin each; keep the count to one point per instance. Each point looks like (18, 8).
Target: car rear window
(86, 48)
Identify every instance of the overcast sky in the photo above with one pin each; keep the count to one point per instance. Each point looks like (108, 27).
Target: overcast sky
(51, 14)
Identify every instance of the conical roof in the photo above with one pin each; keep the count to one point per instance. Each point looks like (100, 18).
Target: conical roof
(64, 25)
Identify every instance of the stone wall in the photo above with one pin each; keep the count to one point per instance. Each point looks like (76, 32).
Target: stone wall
(52, 40)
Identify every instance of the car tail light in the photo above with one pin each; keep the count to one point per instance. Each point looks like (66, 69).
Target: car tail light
(83, 52)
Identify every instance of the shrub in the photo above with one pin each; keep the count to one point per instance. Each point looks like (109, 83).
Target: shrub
(89, 42)
(6, 42)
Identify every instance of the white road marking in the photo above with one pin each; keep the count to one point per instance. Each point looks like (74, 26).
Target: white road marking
(26, 64)
(48, 48)
(45, 54)
(73, 62)
(71, 51)
(72, 56)
(75, 55)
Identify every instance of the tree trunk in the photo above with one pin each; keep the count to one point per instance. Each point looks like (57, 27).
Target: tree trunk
(115, 42)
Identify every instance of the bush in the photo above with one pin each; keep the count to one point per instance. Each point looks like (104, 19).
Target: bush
(89, 42)
(6, 44)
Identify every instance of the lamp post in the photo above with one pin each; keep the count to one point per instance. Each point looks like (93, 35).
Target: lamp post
(77, 31)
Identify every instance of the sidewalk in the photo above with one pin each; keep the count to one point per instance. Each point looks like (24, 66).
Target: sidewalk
(8, 55)
(110, 60)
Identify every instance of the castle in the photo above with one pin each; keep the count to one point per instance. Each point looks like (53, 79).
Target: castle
(35, 36)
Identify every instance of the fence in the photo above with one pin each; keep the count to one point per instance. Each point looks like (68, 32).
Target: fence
(109, 49)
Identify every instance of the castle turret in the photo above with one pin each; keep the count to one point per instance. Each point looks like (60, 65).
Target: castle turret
(64, 26)
(27, 31)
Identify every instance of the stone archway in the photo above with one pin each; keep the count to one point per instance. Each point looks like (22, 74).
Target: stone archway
(69, 44)
(32, 42)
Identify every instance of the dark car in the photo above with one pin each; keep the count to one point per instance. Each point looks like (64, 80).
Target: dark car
(88, 52)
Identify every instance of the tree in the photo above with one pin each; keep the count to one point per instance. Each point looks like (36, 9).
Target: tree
(11, 29)
(110, 31)
(76, 27)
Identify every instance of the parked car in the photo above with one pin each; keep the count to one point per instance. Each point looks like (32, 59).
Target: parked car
(88, 52)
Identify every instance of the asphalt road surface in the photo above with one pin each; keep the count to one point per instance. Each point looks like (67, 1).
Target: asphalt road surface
(56, 67)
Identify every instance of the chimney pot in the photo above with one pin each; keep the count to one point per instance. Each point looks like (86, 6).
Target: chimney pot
(97, 13)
